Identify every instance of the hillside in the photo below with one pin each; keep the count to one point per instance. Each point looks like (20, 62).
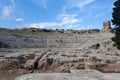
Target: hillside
(65, 53)
(68, 39)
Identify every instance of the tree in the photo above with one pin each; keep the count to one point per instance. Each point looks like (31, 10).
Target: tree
(116, 13)
(116, 22)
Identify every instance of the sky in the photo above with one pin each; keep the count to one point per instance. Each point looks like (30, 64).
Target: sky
(55, 14)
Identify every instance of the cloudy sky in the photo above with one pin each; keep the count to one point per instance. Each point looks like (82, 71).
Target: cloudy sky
(52, 14)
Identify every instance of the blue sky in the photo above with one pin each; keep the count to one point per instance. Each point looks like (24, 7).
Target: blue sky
(52, 14)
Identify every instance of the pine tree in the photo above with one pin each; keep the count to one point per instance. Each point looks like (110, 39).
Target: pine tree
(116, 22)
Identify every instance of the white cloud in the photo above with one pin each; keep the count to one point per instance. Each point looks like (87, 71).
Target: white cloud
(41, 3)
(43, 25)
(77, 4)
(19, 19)
(66, 21)
(84, 3)
(69, 21)
(7, 10)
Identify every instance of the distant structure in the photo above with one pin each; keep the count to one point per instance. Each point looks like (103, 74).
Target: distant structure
(106, 26)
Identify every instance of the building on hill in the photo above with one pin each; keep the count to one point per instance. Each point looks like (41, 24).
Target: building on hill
(106, 26)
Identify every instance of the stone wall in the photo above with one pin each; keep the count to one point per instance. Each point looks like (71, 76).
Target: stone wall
(106, 26)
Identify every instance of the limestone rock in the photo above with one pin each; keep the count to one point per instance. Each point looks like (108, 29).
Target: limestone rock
(9, 64)
(109, 68)
(45, 63)
(41, 64)
(31, 64)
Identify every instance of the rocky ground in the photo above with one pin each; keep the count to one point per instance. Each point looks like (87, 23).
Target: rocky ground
(67, 57)
(74, 75)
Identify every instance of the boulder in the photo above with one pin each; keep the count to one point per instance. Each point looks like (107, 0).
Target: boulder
(31, 64)
(45, 63)
(24, 57)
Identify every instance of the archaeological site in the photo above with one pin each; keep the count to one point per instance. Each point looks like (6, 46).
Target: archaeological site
(39, 54)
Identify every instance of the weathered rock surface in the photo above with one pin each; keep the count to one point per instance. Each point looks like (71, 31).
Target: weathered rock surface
(59, 53)
(75, 75)
(9, 64)
(61, 40)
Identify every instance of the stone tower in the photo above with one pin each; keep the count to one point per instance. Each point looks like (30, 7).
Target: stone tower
(106, 26)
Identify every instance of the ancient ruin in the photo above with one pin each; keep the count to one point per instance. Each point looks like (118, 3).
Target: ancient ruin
(106, 26)
(56, 55)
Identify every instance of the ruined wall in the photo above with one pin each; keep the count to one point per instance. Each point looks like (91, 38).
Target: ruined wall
(106, 26)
